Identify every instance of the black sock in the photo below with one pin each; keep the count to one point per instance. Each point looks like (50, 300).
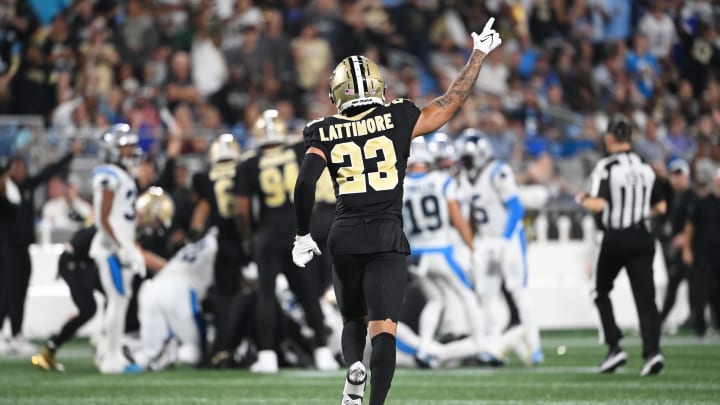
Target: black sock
(353, 341)
(382, 367)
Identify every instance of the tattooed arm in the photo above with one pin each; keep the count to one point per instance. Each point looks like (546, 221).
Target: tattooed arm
(440, 110)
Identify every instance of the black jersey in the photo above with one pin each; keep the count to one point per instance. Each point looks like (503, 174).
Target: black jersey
(270, 176)
(217, 188)
(367, 157)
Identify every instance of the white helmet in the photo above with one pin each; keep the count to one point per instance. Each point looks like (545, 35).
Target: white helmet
(419, 153)
(115, 140)
(475, 146)
(441, 146)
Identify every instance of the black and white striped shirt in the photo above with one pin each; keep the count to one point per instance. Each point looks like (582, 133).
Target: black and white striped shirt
(628, 185)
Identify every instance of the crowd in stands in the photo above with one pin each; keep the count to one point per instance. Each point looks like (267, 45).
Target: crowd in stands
(195, 68)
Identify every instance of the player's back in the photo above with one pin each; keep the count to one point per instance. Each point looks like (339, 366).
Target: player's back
(426, 217)
(366, 153)
(494, 186)
(270, 176)
(122, 215)
(216, 187)
(193, 263)
(367, 156)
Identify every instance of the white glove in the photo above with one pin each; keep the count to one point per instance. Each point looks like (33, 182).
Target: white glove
(488, 39)
(131, 258)
(304, 248)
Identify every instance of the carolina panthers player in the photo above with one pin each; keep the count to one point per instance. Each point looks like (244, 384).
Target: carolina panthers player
(113, 246)
(442, 148)
(496, 215)
(169, 304)
(442, 267)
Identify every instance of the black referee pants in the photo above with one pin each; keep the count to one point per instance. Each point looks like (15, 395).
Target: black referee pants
(633, 249)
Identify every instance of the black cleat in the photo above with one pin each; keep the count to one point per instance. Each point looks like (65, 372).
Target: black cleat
(615, 358)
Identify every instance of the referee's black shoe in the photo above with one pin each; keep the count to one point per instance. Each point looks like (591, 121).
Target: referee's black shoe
(615, 358)
(653, 365)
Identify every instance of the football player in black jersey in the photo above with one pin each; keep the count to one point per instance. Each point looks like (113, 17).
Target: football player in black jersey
(80, 273)
(366, 147)
(270, 177)
(216, 207)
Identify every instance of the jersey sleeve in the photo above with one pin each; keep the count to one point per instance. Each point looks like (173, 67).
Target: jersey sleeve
(450, 188)
(311, 138)
(504, 181)
(599, 186)
(105, 178)
(657, 195)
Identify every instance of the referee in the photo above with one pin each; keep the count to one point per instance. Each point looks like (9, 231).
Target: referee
(624, 194)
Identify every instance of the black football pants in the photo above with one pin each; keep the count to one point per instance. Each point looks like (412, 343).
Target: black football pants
(82, 278)
(633, 249)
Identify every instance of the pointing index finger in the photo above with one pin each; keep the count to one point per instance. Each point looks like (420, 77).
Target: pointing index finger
(489, 23)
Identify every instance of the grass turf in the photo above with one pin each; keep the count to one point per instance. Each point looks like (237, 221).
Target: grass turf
(691, 376)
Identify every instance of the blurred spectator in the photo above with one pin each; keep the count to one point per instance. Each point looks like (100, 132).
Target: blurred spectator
(616, 14)
(209, 70)
(678, 141)
(17, 275)
(700, 54)
(706, 166)
(279, 70)
(643, 65)
(649, 145)
(493, 76)
(658, 26)
(46, 10)
(66, 211)
(139, 33)
(702, 237)
(180, 88)
(312, 56)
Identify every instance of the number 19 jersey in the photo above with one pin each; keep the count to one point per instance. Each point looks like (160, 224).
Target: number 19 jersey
(367, 157)
(426, 217)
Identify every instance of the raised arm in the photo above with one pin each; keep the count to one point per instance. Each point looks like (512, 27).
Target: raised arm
(440, 110)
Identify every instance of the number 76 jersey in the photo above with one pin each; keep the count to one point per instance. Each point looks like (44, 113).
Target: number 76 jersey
(367, 156)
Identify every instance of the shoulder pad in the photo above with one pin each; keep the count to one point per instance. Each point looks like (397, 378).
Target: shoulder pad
(315, 121)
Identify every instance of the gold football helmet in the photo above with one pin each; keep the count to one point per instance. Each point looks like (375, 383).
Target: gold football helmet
(356, 81)
(270, 129)
(155, 206)
(224, 148)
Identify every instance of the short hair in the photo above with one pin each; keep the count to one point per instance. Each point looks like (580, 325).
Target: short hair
(620, 128)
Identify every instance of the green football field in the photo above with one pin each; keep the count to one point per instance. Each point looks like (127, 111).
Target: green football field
(691, 376)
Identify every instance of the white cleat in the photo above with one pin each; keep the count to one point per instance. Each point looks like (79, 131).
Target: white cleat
(348, 400)
(324, 359)
(354, 389)
(267, 362)
(653, 365)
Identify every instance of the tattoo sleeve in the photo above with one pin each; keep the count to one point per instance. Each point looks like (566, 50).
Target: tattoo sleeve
(463, 84)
